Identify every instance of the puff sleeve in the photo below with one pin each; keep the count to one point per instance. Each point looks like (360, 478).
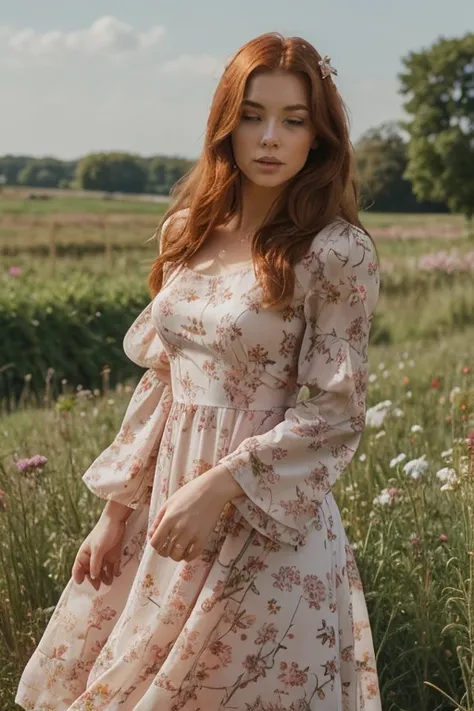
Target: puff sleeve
(287, 471)
(124, 471)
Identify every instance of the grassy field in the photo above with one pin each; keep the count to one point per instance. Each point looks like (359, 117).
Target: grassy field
(411, 526)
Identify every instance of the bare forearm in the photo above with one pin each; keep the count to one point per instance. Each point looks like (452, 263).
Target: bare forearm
(115, 510)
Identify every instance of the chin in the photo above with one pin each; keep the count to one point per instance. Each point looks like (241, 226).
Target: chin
(267, 181)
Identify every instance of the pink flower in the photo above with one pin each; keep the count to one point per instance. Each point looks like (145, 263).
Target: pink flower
(14, 271)
(31, 463)
(443, 538)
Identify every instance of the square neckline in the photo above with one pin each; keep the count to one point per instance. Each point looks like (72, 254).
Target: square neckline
(236, 272)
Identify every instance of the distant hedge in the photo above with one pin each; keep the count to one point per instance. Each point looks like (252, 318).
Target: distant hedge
(76, 328)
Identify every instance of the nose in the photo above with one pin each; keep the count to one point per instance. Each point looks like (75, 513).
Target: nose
(269, 137)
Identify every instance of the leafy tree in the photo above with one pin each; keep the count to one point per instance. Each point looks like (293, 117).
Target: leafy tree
(112, 172)
(381, 155)
(439, 84)
(43, 173)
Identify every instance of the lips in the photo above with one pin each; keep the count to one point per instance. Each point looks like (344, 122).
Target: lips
(269, 161)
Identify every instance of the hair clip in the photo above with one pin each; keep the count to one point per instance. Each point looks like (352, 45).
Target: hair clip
(326, 69)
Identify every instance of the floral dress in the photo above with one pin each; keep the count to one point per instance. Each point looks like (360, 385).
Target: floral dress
(271, 616)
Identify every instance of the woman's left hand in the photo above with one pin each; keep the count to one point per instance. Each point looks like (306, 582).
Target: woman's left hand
(187, 519)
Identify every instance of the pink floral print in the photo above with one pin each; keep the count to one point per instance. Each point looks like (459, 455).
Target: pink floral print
(272, 615)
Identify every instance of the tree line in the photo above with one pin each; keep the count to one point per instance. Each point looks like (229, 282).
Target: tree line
(425, 163)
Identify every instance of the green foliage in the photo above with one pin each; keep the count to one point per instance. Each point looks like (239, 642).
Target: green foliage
(74, 326)
(381, 155)
(439, 84)
(112, 172)
(44, 173)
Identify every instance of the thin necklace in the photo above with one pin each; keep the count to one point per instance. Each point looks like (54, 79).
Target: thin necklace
(223, 251)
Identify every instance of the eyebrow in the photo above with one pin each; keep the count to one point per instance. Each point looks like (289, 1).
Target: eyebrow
(292, 107)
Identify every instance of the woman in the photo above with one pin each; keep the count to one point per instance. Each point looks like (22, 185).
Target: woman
(219, 575)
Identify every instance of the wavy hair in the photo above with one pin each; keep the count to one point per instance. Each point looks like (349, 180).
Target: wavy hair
(324, 189)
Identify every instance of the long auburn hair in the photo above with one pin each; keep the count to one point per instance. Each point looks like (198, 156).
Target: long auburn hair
(324, 189)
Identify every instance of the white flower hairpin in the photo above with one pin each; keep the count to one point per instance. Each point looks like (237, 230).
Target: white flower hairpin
(326, 69)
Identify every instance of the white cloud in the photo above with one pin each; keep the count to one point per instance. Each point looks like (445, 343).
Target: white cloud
(105, 36)
(199, 65)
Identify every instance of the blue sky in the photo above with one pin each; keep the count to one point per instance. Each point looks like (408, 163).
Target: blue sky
(139, 76)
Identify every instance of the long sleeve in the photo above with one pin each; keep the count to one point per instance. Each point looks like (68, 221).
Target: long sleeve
(125, 470)
(287, 471)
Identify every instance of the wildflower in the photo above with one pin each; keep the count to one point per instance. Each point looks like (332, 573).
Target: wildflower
(417, 428)
(435, 383)
(375, 416)
(455, 391)
(362, 457)
(397, 412)
(31, 463)
(415, 540)
(449, 477)
(447, 453)
(405, 380)
(416, 467)
(443, 538)
(387, 496)
(372, 378)
(466, 370)
(14, 271)
(409, 394)
(470, 441)
(380, 434)
(396, 460)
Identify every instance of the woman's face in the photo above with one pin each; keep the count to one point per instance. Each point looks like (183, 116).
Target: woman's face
(274, 124)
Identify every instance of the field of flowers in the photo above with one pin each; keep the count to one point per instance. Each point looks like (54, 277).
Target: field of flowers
(407, 498)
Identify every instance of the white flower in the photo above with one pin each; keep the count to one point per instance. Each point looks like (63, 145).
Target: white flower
(449, 477)
(372, 378)
(401, 365)
(417, 428)
(398, 412)
(411, 363)
(416, 467)
(362, 457)
(446, 474)
(387, 496)
(375, 416)
(409, 394)
(447, 453)
(381, 366)
(380, 434)
(383, 499)
(386, 373)
(397, 460)
(455, 391)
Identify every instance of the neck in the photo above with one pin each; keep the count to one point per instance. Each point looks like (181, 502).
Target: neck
(256, 203)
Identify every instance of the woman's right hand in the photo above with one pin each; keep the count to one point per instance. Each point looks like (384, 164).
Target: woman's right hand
(99, 556)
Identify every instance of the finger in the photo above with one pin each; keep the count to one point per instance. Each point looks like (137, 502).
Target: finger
(160, 539)
(191, 552)
(81, 566)
(95, 583)
(178, 550)
(95, 564)
(107, 574)
(157, 521)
